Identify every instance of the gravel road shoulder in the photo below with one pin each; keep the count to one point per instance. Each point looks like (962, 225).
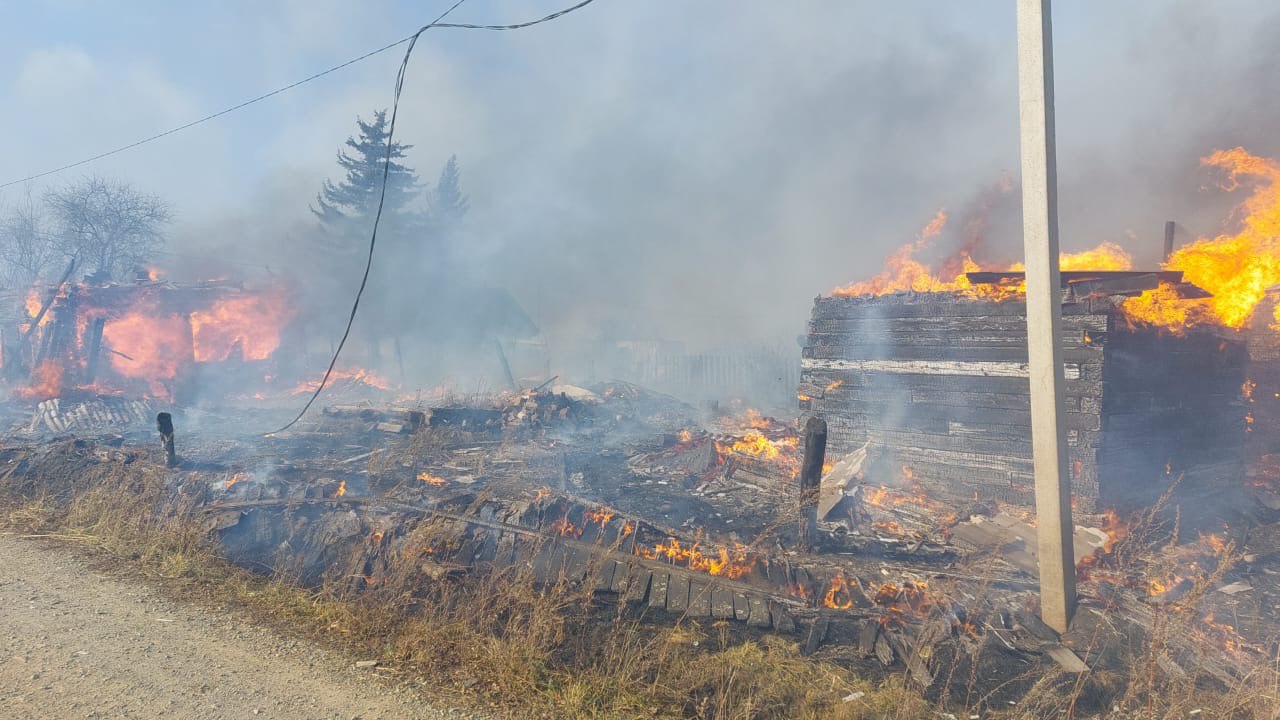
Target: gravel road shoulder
(77, 642)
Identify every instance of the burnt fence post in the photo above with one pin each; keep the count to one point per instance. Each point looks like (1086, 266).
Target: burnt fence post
(815, 453)
(164, 423)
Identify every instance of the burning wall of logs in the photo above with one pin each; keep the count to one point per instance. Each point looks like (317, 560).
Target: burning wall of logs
(938, 384)
(148, 338)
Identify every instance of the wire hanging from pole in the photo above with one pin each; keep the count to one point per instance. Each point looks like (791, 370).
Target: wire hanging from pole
(386, 172)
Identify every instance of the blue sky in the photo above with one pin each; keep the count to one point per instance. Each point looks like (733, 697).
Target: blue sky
(685, 158)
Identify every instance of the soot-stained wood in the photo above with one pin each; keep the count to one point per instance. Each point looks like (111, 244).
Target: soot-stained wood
(938, 385)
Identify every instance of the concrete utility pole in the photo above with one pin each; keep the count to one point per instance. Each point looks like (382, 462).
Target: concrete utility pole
(1044, 314)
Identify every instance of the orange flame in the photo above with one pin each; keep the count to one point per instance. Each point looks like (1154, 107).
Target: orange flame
(430, 479)
(342, 489)
(840, 595)
(733, 563)
(148, 344)
(1116, 529)
(33, 302)
(251, 322)
(1236, 268)
(901, 603)
(565, 528)
(756, 444)
(888, 527)
(600, 516)
(1158, 586)
(903, 272)
(357, 376)
(45, 382)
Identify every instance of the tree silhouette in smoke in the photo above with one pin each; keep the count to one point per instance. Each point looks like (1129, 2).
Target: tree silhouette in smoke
(355, 197)
(448, 203)
(112, 227)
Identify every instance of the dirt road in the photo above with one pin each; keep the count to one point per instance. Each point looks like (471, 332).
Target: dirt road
(75, 643)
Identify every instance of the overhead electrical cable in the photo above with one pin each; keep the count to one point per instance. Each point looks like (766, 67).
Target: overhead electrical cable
(277, 91)
(386, 170)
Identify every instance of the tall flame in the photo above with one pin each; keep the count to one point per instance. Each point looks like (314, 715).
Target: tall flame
(904, 272)
(250, 322)
(45, 383)
(148, 344)
(1236, 268)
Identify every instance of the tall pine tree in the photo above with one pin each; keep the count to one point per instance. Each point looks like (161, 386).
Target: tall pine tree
(448, 204)
(356, 196)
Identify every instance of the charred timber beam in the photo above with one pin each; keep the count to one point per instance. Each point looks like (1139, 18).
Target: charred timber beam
(815, 453)
(53, 293)
(974, 368)
(95, 347)
(1128, 286)
(1067, 279)
(164, 423)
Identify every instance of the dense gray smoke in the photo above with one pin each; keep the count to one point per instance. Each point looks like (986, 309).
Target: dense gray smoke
(699, 172)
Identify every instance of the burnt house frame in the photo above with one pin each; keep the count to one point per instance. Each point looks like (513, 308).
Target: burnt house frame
(937, 385)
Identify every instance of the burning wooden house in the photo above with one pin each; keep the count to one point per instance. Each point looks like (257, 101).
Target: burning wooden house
(148, 338)
(937, 384)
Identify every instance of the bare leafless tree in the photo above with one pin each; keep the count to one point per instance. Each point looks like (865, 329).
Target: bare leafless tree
(28, 251)
(113, 228)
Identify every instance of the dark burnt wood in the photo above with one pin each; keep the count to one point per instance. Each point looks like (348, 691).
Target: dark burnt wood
(937, 384)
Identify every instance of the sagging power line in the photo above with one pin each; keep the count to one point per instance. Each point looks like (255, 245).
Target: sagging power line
(386, 169)
(283, 89)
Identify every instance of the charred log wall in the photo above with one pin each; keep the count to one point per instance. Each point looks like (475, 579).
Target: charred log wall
(1171, 408)
(939, 385)
(1263, 397)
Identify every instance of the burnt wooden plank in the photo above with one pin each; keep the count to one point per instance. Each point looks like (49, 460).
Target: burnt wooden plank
(781, 618)
(721, 603)
(1013, 352)
(658, 590)
(699, 600)
(577, 563)
(639, 581)
(817, 633)
(678, 594)
(603, 575)
(882, 382)
(547, 562)
(946, 325)
(621, 577)
(758, 615)
(884, 650)
(506, 552)
(867, 636)
(926, 305)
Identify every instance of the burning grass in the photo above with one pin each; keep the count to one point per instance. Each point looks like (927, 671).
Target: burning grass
(555, 651)
(559, 650)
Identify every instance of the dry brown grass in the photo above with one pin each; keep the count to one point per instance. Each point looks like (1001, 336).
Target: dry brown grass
(555, 652)
(559, 651)
(1147, 683)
